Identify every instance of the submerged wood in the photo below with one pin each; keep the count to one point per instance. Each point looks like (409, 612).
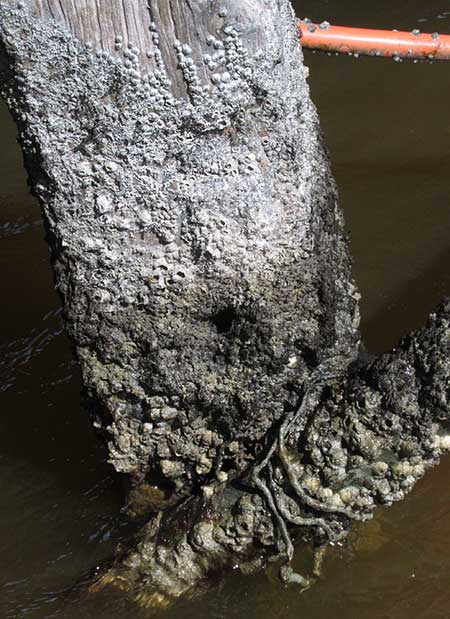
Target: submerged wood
(200, 254)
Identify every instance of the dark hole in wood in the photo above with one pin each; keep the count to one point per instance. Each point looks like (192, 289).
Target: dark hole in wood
(224, 319)
(310, 357)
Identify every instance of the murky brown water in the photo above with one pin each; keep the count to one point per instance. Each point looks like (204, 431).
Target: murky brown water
(389, 135)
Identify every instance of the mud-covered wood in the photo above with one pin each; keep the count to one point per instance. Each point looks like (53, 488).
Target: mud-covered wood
(370, 435)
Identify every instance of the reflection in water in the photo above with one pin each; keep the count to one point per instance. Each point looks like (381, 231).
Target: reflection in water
(388, 133)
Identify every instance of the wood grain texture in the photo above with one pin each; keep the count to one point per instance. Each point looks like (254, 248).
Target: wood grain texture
(100, 21)
(150, 28)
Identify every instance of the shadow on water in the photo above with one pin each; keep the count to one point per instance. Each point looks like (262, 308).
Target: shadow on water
(387, 129)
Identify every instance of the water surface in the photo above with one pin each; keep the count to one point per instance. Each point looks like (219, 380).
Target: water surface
(389, 136)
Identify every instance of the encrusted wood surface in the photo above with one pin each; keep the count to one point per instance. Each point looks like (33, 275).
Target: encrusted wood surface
(197, 241)
(200, 254)
(143, 32)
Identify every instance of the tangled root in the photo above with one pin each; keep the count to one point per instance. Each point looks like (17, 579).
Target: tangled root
(284, 509)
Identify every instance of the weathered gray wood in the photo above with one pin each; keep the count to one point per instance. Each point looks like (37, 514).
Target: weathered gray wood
(143, 32)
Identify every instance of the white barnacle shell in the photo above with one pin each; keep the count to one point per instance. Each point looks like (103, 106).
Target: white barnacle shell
(103, 204)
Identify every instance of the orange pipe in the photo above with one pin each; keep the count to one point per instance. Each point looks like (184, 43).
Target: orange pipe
(388, 43)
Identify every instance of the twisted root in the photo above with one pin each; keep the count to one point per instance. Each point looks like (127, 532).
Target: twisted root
(276, 499)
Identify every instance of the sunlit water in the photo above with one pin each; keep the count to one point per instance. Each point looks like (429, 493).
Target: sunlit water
(389, 135)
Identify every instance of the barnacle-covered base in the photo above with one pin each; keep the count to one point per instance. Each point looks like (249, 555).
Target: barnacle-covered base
(358, 441)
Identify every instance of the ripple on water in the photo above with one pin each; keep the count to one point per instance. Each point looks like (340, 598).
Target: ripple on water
(13, 228)
(16, 354)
